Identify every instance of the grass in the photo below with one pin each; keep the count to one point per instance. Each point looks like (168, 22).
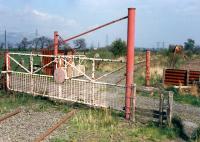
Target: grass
(20, 58)
(88, 124)
(185, 99)
(103, 126)
(10, 101)
(156, 79)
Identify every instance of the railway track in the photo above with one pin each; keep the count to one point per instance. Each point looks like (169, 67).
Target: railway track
(7, 116)
(26, 125)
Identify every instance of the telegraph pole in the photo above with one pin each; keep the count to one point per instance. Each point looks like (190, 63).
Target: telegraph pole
(163, 44)
(107, 40)
(5, 40)
(36, 33)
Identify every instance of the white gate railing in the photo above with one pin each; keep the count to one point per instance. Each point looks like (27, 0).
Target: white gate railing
(85, 90)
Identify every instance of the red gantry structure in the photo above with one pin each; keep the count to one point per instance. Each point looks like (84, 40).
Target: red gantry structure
(148, 67)
(76, 89)
(130, 61)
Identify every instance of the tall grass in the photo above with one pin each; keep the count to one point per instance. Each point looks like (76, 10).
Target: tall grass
(185, 99)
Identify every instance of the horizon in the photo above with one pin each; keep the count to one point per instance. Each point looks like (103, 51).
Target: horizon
(170, 21)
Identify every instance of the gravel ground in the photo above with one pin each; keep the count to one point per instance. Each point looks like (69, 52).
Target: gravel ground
(187, 112)
(27, 125)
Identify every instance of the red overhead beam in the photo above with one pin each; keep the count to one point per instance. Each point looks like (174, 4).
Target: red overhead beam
(94, 29)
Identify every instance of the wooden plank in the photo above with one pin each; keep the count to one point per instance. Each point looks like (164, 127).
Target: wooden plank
(195, 72)
(175, 81)
(161, 109)
(171, 83)
(194, 76)
(170, 108)
(176, 71)
(163, 78)
(187, 77)
(174, 74)
(175, 77)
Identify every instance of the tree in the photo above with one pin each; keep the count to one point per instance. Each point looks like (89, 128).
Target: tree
(10, 46)
(118, 47)
(23, 44)
(197, 49)
(189, 45)
(80, 43)
(1, 46)
(41, 42)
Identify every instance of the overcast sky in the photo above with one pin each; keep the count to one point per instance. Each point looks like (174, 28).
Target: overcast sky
(171, 21)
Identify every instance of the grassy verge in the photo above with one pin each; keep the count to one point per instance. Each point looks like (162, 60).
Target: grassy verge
(104, 126)
(89, 124)
(10, 101)
(185, 99)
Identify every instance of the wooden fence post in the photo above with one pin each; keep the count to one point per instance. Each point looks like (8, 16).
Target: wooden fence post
(133, 103)
(170, 108)
(31, 69)
(161, 109)
(163, 78)
(187, 77)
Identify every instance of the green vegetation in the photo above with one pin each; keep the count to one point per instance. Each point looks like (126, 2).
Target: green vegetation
(102, 52)
(106, 125)
(9, 101)
(89, 124)
(189, 45)
(24, 60)
(185, 99)
(103, 125)
(118, 47)
(95, 124)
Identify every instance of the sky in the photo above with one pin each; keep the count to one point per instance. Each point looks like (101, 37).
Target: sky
(168, 21)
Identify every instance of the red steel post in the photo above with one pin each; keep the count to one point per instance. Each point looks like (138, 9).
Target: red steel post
(148, 67)
(130, 60)
(56, 47)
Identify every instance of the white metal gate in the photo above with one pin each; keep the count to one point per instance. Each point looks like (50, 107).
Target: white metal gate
(85, 89)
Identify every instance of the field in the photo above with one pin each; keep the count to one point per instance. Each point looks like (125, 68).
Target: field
(95, 124)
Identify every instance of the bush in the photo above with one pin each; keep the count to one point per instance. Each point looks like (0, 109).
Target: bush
(103, 53)
(118, 47)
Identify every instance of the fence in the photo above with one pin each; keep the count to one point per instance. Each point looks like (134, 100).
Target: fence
(81, 87)
(157, 108)
(84, 88)
(97, 94)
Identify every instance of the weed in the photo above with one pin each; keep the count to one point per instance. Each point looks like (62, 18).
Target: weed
(186, 99)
